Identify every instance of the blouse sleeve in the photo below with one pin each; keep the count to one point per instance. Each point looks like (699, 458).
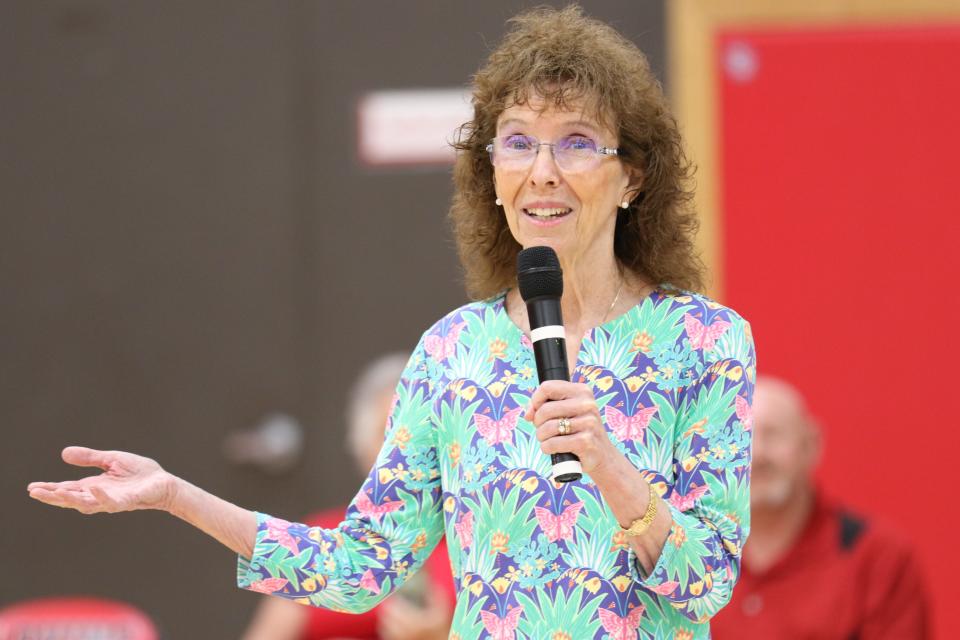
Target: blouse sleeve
(390, 528)
(710, 499)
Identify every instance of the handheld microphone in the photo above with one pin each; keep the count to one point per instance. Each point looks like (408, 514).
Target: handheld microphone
(541, 284)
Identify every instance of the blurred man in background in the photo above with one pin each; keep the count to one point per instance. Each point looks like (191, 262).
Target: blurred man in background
(811, 568)
(422, 608)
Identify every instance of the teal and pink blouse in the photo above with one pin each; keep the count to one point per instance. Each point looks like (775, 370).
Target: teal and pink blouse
(673, 378)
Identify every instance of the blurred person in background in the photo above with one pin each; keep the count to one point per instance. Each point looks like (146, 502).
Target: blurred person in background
(571, 146)
(425, 606)
(812, 568)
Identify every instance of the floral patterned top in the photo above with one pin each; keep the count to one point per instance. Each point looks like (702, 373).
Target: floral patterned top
(673, 378)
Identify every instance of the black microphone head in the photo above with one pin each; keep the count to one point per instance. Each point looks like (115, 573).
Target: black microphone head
(539, 273)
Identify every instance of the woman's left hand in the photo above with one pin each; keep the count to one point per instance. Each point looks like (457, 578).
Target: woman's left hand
(587, 437)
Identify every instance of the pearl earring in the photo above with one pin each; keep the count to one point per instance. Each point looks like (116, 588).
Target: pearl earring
(624, 205)
(499, 202)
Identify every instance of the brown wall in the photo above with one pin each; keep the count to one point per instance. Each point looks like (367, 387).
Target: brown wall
(188, 242)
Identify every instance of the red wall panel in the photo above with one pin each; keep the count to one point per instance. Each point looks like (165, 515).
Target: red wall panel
(841, 224)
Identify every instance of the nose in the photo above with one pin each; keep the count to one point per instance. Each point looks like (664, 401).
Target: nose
(544, 170)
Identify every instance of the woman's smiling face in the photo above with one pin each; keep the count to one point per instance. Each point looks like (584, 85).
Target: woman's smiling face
(574, 212)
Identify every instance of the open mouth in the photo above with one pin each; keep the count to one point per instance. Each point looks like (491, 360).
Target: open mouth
(547, 213)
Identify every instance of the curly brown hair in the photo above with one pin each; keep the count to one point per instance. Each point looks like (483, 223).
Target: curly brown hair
(564, 57)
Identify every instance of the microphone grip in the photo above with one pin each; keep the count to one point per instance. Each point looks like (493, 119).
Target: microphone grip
(566, 457)
(551, 356)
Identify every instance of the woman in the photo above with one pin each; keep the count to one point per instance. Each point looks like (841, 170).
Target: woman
(571, 146)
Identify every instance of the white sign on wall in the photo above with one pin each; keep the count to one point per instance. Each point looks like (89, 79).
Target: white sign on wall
(408, 127)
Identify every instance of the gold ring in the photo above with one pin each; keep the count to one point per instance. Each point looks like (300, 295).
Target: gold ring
(563, 426)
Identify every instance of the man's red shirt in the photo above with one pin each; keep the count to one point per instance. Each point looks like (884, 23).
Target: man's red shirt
(844, 578)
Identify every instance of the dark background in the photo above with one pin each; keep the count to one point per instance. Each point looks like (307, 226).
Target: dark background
(189, 242)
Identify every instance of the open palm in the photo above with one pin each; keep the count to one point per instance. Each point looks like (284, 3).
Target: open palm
(128, 482)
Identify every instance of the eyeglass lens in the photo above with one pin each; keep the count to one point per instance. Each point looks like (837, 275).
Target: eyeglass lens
(572, 153)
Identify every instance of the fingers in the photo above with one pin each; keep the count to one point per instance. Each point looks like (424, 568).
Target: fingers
(553, 390)
(549, 390)
(84, 457)
(66, 498)
(551, 428)
(72, 485)
(570, 408)
(575, 443)
(84, 495)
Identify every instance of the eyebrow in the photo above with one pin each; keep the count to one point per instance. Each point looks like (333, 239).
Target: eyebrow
(569, 123)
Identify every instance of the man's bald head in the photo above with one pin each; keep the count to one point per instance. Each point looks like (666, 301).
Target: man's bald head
(786, 444)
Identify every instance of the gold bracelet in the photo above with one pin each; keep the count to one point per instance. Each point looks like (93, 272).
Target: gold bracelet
(641, 524)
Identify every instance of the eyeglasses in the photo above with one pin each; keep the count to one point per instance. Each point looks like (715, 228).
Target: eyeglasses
(571, 153)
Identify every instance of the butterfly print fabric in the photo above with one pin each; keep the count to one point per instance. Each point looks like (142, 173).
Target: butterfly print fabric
(673, 379)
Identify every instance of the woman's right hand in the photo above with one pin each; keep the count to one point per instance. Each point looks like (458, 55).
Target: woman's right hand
(128, 482)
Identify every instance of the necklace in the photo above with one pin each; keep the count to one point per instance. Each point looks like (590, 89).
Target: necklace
(615, 298)
(517, 319)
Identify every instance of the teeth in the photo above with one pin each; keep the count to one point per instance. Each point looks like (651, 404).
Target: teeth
(547, 213)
